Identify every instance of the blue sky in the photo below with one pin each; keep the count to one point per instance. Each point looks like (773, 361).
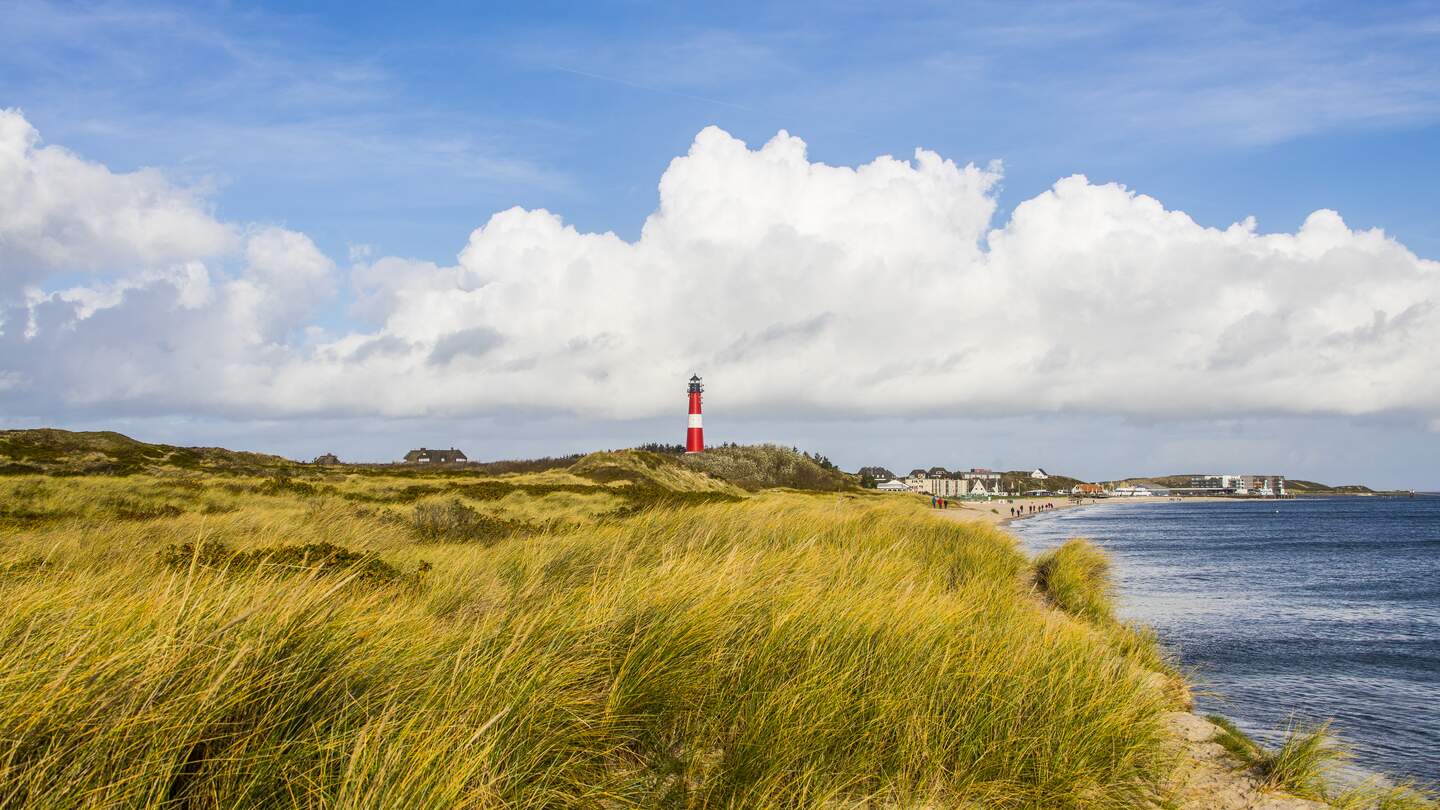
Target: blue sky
(387, 130)
(403, 128)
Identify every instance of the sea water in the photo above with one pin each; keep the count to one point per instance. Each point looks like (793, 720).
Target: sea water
(1307, 609)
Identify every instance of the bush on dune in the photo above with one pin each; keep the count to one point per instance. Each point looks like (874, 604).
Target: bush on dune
(454, 522)
(763, 466)
(314, 559)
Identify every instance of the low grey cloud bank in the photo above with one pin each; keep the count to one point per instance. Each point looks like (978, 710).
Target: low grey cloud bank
(793, 286)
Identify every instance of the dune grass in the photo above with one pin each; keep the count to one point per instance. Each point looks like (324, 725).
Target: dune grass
(1301, 765)
(1076, 577)
(776, 650)
(1378, 794)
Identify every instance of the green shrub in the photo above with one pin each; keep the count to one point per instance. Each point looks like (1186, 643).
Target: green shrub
(137, 509)
(765, 466)
(454, 522)
(284, 485)
(316, 559)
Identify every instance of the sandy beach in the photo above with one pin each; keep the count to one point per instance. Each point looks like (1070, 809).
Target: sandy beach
(998, 510)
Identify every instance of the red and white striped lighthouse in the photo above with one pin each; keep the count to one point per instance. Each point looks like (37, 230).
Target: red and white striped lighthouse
(695, 435)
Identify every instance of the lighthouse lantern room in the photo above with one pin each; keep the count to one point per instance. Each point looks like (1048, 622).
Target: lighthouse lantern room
(695, 434)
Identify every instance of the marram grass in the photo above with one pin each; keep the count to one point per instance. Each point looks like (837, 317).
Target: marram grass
(1076, 577)
(786, 650)
(1304, 763)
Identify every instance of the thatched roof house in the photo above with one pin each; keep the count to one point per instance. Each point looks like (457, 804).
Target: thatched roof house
(427, 456)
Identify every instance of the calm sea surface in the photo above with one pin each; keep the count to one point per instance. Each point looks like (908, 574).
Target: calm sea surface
(1327, 608)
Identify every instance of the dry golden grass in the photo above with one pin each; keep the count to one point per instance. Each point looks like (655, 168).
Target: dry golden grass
(630, 645)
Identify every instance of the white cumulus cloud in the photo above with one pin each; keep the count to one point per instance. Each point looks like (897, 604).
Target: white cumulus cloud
(64, 214)
(793, 286)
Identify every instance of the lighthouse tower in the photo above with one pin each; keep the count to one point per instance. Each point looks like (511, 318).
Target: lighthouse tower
(695, 435)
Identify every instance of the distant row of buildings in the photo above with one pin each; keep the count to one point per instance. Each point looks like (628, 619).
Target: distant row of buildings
(1255, 486)
(976, 482)
(983, 483)
(1265, 486)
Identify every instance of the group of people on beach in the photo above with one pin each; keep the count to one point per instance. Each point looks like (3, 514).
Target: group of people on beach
(937, 502)
(1030, 509)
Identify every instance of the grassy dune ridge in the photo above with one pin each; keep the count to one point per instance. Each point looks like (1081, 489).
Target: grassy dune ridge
(645, 636)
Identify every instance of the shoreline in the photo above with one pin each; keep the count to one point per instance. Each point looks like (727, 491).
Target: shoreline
(994, 512)
(1210, 777)
(1207, 776)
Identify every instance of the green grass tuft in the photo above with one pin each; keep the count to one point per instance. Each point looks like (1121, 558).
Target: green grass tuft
(1076, 577)
(1300, 766)
(1237, 742)
(1375, 795)
(1302, 762)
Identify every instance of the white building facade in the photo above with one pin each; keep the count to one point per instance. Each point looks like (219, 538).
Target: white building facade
(1136, 491)
(973, 484)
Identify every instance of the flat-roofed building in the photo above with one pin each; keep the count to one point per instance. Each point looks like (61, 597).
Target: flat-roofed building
(1266, 486)
(1217, 484)
(947, 487)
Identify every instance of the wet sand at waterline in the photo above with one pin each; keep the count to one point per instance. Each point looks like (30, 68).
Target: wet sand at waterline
(998, 510)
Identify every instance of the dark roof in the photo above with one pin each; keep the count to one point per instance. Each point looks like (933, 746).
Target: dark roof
(429, 456)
